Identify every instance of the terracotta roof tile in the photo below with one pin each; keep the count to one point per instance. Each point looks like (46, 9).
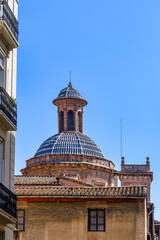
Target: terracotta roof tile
(46, 180)
(34, 180)
(81, 192)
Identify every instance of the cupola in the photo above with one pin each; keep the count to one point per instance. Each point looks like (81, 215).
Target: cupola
(70, 105)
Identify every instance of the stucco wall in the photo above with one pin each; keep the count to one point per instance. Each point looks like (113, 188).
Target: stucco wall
(8, 136)
(69, 220)
(10, 87)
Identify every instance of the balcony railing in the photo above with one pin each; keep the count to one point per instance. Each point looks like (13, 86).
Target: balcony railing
(8, 106)
(7, 15)
(7, 200)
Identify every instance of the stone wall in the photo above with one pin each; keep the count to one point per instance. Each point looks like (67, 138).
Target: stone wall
(60, 220)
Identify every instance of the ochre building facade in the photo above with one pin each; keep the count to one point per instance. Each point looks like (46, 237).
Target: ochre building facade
(63, 213)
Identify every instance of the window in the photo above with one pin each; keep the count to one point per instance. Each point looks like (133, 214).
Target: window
(79, 122)
(1, 235)
(20, 219)
(61, 121)
(2, 71)
(2, 143)
(96, 220)
(70, 116)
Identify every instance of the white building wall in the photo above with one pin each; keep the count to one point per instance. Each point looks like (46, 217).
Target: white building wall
(9, 136)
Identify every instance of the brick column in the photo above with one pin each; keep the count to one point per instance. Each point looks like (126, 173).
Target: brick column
(75, 120)
(65, 119)
(82, 120)
(58, 120)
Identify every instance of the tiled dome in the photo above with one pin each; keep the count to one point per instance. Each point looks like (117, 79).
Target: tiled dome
(69, 143)
(69, 92)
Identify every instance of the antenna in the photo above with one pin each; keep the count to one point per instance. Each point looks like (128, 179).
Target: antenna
(70, 84)
(121, 135)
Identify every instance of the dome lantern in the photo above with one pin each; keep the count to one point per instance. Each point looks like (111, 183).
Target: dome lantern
(70, 109)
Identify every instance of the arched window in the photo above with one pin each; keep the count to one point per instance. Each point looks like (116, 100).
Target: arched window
(79, 122)
(61, 121)
(70, 116)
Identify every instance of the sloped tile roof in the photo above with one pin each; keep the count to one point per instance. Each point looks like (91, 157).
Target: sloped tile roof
(25, 181)
(82, 192)
(35, 180)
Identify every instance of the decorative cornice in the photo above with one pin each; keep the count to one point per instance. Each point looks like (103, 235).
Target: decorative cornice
(77, 165)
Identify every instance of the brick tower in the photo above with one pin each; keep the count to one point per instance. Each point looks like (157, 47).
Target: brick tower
(136, 174)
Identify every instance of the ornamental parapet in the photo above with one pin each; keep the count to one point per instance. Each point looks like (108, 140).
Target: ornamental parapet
(135, 168)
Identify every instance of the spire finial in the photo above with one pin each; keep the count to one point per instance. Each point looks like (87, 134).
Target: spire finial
(70, 84)
(147, 161)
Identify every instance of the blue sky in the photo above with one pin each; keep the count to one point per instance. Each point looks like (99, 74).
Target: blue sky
(113, 51)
